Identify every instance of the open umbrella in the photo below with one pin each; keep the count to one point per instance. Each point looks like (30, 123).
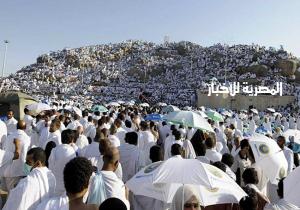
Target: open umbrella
(99, 108)
(74, 109)
(154, 117)
(190, 119)
(291, 188)
(254, 111)
(113, 104)
(144, 105)
(36, 108)
(121, 102)
(215, 116)
(161, 180)
(269, 157)
(170, 108)
(271, 110)
(161, 104)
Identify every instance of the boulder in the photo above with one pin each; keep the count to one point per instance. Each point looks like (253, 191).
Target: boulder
(287, 67)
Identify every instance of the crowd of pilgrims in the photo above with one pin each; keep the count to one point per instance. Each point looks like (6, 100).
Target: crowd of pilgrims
(50, 161)
(168, 71)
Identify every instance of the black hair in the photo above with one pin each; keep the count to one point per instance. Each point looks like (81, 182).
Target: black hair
(227, 159)
(244, 143)
(176, 149)
(249, 202)
(38, 154)
(209, 143)
(144, 125)
(112, 204)
(131, 138)
(50, 145)
(77, 173)
(250, 176)
(68, 136)
(220, 165)
(177, 135)
(156, 153)
(200, 149)
(127, 123)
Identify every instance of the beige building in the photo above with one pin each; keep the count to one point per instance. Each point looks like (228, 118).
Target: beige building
(239, 102)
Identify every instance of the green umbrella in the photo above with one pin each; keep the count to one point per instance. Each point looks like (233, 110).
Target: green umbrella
(99, 108)
(215, 116)
(190, 119)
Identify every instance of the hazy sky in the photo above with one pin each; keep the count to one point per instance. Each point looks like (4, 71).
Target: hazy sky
(34, 27)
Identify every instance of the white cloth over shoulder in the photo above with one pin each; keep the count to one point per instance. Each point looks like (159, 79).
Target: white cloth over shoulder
(281, 205)
(37, 187)
(59, 157)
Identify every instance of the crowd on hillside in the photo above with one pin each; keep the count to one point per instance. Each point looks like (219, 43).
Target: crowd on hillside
(168, 71)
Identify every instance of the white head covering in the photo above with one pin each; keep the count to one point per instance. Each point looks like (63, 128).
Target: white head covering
(184, 195)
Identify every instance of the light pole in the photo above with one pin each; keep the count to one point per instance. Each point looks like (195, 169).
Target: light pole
(4, 59)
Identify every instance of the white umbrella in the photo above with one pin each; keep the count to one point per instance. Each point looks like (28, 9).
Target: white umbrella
(254, 111)
(269, 157)
(161, 104)
(292, 132)
(121, 102)
(226, 113)
(144, 105)
(74, 109)
(113, 104)
(291, 187)
(271, 110)
(190, 119)
(38, 107)
(161, 181)
(129, 103)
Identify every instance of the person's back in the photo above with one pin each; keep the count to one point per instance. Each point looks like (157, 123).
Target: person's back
(60, 155)
(130, 156)
(77, 173)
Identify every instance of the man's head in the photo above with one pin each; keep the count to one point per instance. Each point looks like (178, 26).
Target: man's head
(10, 114)
(177, 134)
(36, 157)
(144, 126)
(250, 176)
(104, 145)
(113, 203)
(80, 130)
(210, 143)
(111, 159)
(281, 141)
(21, 125)
(76, 117)
(26, 111)
(127, 124)
(220, 165)
(77, 173)
(131, 138)
(200, 149)
(156, 153)
(54, 126)
(118, 123)
(176, 149)
(228, 159)
(68, 136)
